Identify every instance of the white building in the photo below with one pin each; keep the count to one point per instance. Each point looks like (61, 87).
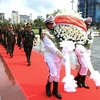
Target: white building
(2, 16)
(15, 17)
(30, 16)
(24, 18)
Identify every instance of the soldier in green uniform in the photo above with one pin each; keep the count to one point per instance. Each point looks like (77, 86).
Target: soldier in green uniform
(28, 37)
(0, 35)
(10, 40)
(24, 31)
(4, 35)
(40, 31)
(19, 32)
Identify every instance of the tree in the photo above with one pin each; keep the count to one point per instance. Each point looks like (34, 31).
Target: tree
(4, 22)
(39, 21)
(54, 13)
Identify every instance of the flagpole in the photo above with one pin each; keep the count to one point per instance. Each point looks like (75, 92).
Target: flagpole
(72, 3)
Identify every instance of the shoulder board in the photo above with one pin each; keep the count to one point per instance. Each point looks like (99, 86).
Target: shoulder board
(45, 33)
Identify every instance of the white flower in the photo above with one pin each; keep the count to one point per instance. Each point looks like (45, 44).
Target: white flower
(64, 37)
(70, 32)
(60, 39)
(57, 36)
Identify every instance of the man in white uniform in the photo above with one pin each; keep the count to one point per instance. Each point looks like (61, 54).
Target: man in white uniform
(80, 78)
(52, 57)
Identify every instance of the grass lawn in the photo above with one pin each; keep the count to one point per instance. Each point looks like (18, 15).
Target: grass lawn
(36, 31)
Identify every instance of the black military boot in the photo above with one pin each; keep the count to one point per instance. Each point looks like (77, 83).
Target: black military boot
(55, 90)
(7, 52)
(20, 47)
(29, 63)
(48, 88)
(78, 79)
(11, 55)
(83, 82)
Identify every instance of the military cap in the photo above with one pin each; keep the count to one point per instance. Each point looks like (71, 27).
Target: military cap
(19, 25)
(25, 25)
(7, 25)
(88, 20)
(49, 19)
(28, 25)
(10, 25)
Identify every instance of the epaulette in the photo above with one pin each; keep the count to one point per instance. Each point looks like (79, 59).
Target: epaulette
(49, 36)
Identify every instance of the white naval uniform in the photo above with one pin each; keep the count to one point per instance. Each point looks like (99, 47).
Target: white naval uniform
(50, 56)
(83, 65)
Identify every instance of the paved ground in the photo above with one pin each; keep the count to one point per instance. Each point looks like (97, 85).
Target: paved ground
(95, 56)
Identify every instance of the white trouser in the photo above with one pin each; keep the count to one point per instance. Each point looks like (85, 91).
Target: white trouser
(82, 53)
(83, 66)
(54, 69)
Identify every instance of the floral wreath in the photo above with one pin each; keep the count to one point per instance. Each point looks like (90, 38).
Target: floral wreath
(70, 26)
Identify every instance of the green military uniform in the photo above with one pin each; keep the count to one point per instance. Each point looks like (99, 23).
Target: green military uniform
(11, 41)
(19, 32)
(24, 32)
(0, 35)
(28, 37)
(5, 32)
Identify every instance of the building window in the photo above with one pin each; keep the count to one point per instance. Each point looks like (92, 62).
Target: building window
(99, 7)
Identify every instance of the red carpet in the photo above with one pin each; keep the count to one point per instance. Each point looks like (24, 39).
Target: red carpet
(32, 79)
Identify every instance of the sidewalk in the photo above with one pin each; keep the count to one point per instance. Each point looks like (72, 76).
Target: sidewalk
(96, 34)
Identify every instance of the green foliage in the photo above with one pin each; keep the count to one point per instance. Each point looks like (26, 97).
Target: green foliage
(54, 13)
(89, 41)
(39, 21)
(4, 22)
(87, 45)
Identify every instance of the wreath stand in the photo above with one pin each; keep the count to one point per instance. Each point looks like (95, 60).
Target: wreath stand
(69, 82)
